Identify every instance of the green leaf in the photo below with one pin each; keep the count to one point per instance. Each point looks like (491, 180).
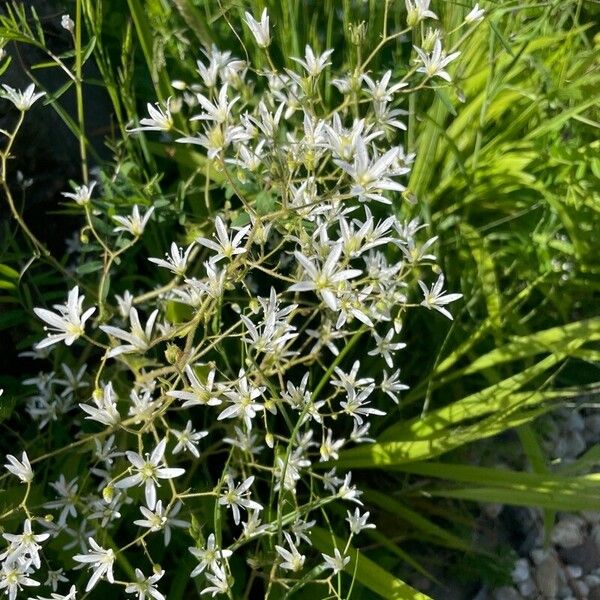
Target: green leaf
(385, 455)
(389, 504)
(571, 499)
(487, 274)
(563, 338)
(8, 272)
(160, 77)
(499, 35)
(498, 399)
(89, 267)
(265, 203)
(443, 96)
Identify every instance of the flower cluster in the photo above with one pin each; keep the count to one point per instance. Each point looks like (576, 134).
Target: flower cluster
(218, 402)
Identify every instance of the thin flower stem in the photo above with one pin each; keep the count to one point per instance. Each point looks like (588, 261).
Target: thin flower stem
(79, 93)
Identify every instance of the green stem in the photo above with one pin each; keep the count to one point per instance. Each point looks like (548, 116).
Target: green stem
(79, 94)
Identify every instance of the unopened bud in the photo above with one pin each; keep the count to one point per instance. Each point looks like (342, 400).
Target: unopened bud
(172, 354)
(358, 33)
(431, 37)
(67, 23)
(108, 493)
(413, 17)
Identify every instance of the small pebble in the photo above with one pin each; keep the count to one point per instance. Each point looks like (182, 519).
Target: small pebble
(569, 532)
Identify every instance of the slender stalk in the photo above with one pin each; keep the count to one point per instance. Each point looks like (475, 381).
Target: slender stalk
(79, 94)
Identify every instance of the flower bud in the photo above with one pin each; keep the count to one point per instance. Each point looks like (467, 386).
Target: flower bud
(108, 493)
(172, 354)
(67, 23)
(358, 33)
(413, 17)
(431, 36)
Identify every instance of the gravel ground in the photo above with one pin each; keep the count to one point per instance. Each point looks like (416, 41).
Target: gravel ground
(567, 565)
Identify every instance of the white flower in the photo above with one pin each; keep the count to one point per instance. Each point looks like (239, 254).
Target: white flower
(25, 545)
(242, 400)
(188, 439)
(385, 347)
(134, 224)
(336, 562)
(433, 65)
(302, 530)
(208, 557)
(73, 380)
(210, 73)
(142, 405)
(138, 338)
(21, 469)
(436, 298)
(349, 492)
(259, 29)
(267, 122)
(252, 526)
(417, 10)
(356, 404)
(160, 120)
(370, 177)
(217, 138)
(476, 15)
(379, 90)
(313, 64)
(177, 261)
(342, 141)
(54, 578)
(292, 559)
(155, 520)
(124, 303)
(324, 280)
(144, 586)
(161, 519)
(220, 585)
(68, 323)
(238, 496)
(22, 100)
(72, 595)
(67, 498)
(100, 560)
(351, 379)
(329, 448)
(82, 194)
(358, 522)
(201, 393)
(390, 385)
(213, 286)
(218, 112)
(67, 23)
(105, 409)
(225, 246)
(14, 575)
(148, 470)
